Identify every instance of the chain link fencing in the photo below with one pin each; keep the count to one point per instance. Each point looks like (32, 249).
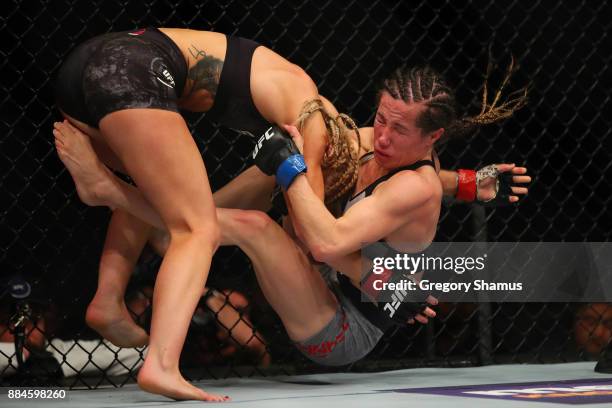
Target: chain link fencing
(50, 240)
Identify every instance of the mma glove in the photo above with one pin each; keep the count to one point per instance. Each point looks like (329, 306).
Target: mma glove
(276, 154)
(399, 305)
(469, 180)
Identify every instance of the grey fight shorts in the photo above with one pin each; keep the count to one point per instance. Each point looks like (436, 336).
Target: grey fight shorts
(348, 337)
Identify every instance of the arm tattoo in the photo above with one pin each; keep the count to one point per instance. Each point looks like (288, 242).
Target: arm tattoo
(206, 72)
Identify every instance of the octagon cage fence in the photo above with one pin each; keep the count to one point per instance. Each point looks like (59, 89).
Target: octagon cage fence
(51, 242)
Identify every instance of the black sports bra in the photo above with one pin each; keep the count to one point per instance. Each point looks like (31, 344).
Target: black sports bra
(370, 188)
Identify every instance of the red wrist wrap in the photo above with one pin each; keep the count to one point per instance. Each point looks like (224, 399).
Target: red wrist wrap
(466, 185)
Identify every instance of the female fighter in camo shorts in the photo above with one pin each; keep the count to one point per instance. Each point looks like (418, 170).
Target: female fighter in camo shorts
(123, 91)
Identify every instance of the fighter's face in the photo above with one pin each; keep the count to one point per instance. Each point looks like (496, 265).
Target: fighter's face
(398, 141)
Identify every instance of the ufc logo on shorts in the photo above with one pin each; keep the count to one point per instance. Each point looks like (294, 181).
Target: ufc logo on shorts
(396, 301)
(263, 138)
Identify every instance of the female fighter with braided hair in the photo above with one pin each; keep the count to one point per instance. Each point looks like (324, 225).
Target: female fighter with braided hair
(397, 199)
(131, 85)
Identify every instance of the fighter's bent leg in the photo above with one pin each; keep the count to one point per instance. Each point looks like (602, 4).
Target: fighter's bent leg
(103, 151)
(250, 190)
(91, 178)
(107, 312)
(292, 286)
(96, 184)
(161, 156)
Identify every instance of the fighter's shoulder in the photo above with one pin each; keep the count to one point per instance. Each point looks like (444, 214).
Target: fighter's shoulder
(419, 185)
(288, 77)
(280, 92)
(199, 42)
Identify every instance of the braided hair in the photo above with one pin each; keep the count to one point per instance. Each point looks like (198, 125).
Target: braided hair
(340, 162)
(422, 84)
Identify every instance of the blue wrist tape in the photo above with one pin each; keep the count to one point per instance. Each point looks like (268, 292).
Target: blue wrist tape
(289, 170)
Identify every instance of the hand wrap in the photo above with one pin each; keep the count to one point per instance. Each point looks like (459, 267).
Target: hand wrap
(468, 182)
(503, 185)
(466, 185)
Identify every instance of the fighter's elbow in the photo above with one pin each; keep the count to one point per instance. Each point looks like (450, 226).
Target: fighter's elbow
(325, 252)
(319, 252)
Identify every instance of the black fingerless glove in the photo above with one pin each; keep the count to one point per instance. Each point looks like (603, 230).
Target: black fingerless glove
(276, 154)
(503, 188)
(399, 305)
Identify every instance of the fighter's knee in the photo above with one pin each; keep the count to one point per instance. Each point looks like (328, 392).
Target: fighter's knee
(252, 223)
(210, 234)
(206, 233)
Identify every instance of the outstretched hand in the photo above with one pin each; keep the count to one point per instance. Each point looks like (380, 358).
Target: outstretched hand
(503, 181)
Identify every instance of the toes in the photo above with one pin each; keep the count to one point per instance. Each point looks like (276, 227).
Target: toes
(59, 126)
(215, 398)
(58, 136)
(71, 126)
(64, 128)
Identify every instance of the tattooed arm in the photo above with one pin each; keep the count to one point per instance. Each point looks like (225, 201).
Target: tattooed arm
(203, 80)
(206, 72)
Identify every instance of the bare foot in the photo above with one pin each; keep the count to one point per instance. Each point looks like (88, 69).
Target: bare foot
(113, 321)
(91, 177)
(172, 384)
